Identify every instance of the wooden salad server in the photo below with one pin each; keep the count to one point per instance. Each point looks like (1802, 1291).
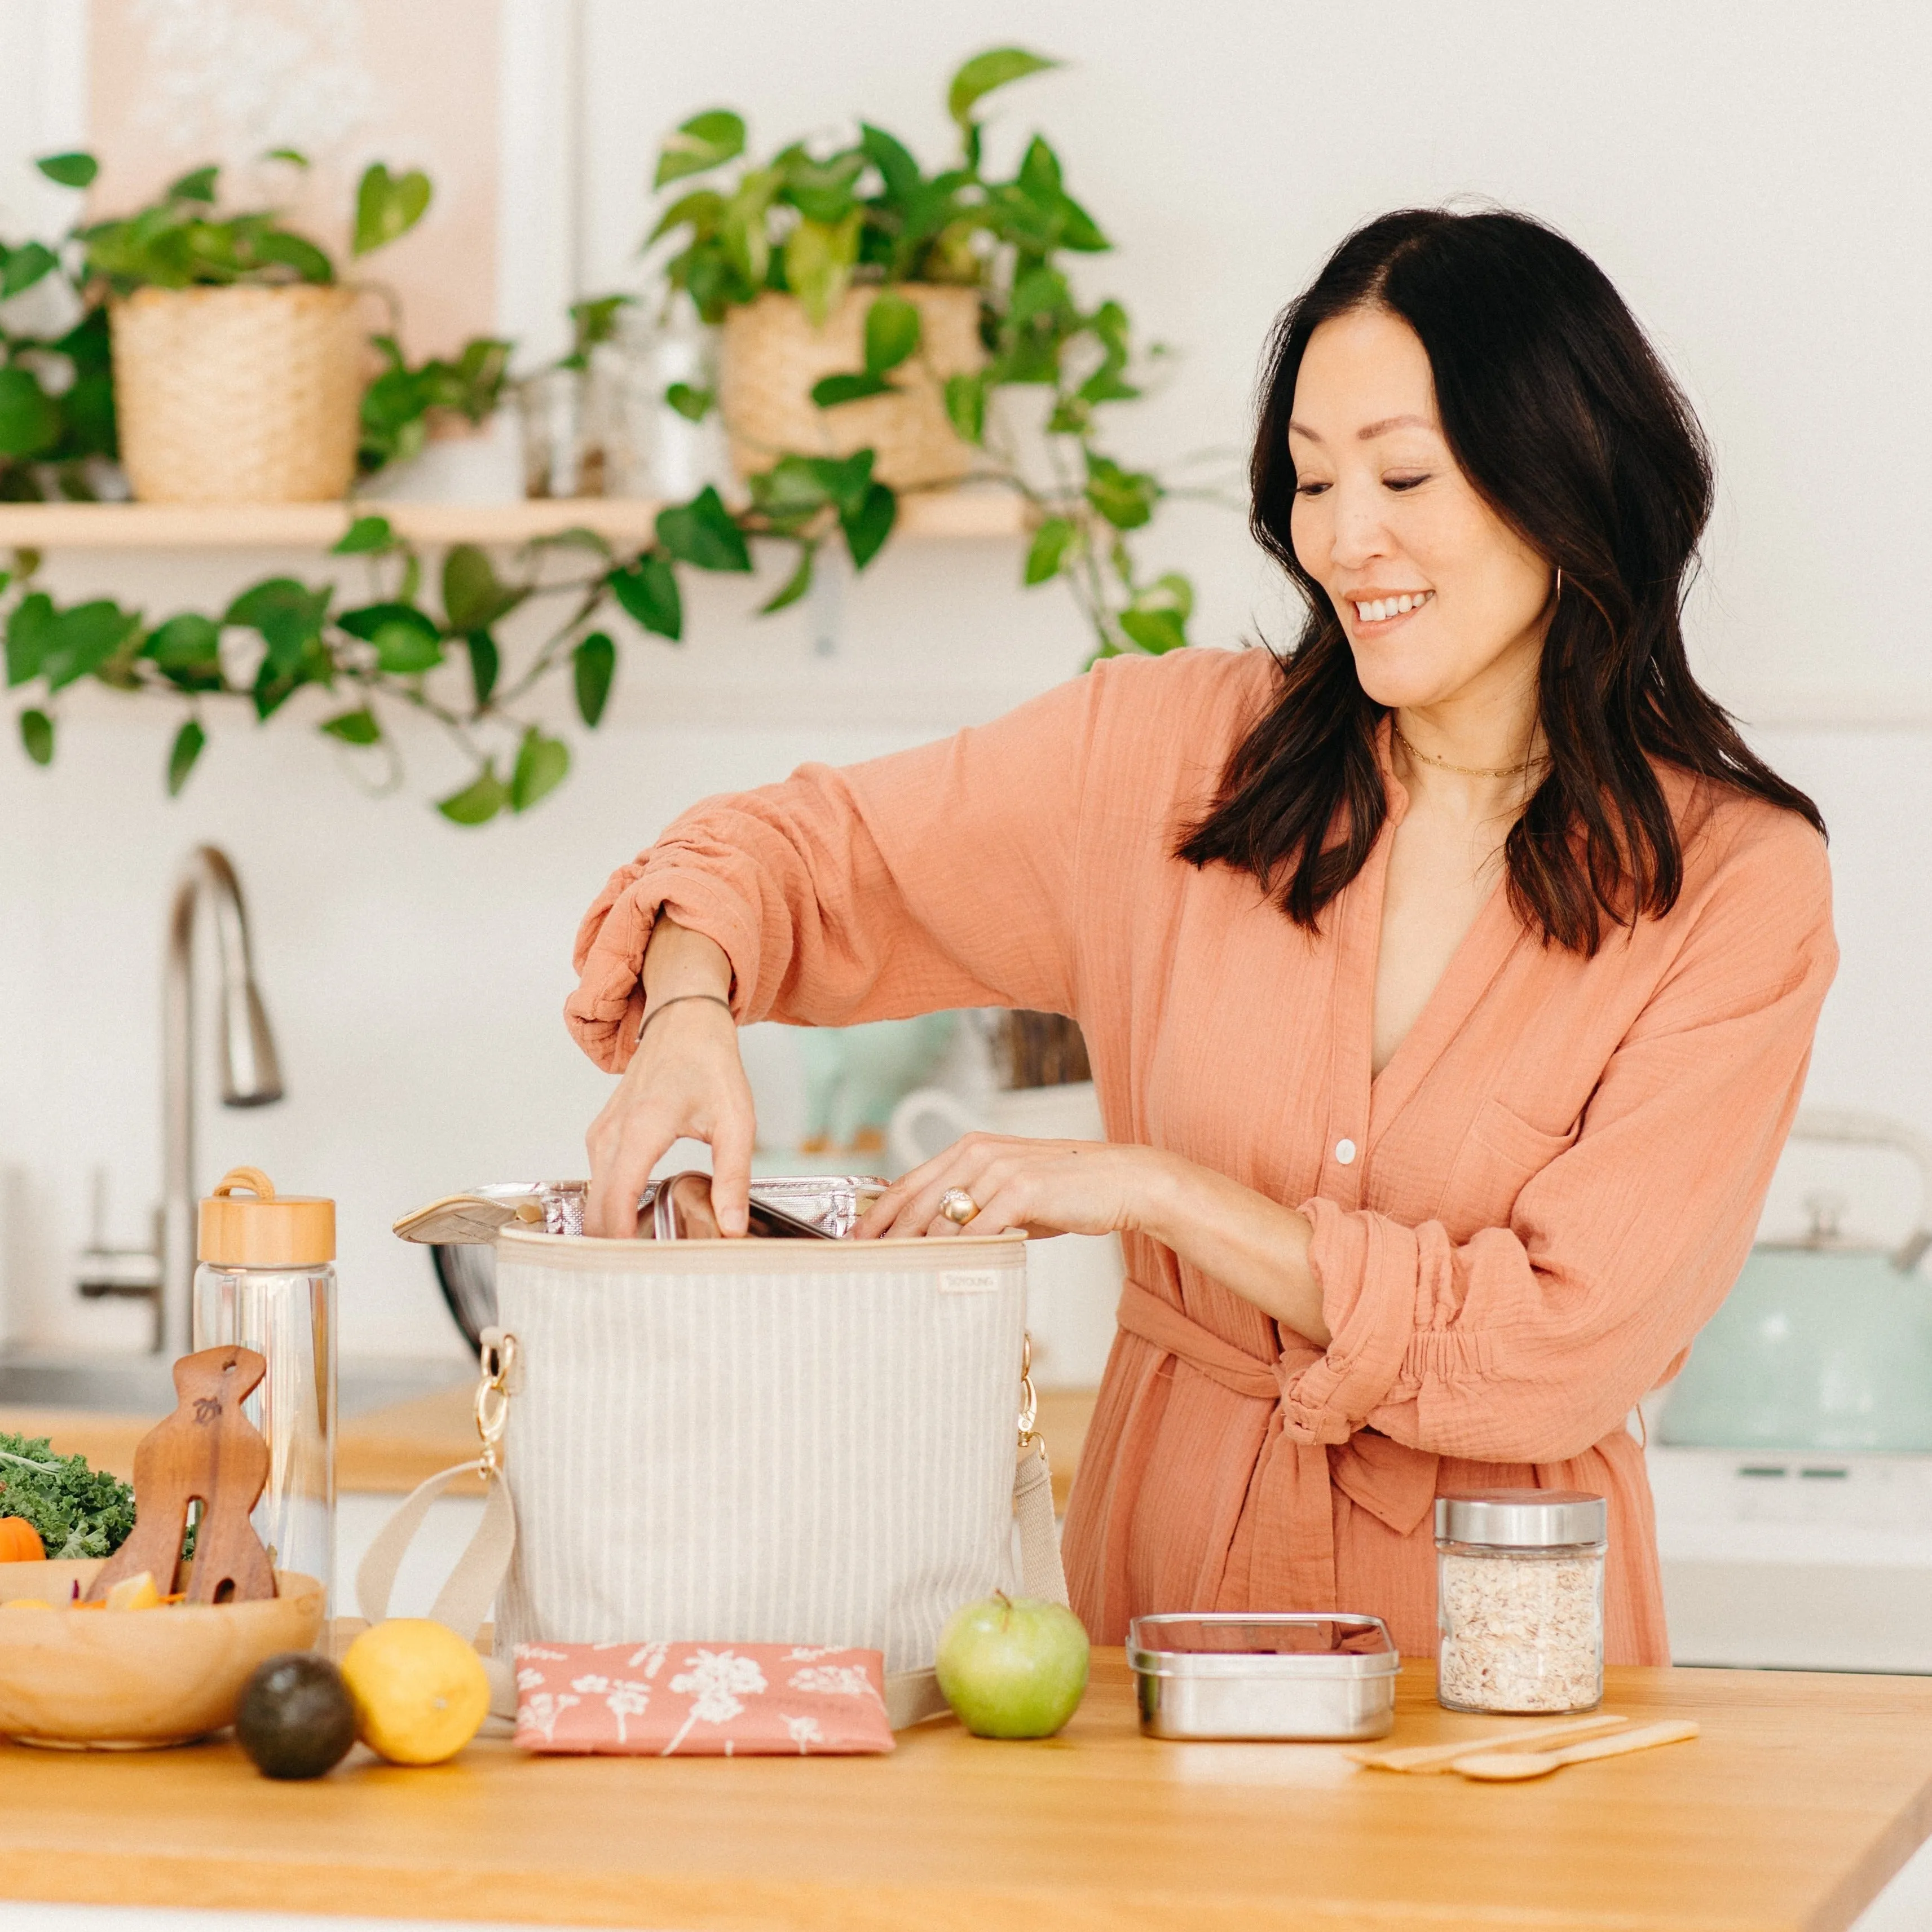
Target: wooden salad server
(207, 1451)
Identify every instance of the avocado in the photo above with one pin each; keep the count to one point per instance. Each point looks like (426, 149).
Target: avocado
(296, 1718)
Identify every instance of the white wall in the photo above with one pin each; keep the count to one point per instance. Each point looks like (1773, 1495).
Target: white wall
(1759, 184)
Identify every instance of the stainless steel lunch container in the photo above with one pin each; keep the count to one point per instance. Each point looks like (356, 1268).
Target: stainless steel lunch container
(1313, 1676)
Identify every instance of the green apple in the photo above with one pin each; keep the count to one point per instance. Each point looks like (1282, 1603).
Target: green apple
(1013, 1666)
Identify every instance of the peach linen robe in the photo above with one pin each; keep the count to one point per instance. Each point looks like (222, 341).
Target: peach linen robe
(1519, 1224)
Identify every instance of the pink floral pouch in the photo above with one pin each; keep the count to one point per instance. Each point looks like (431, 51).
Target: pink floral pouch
(697, 1700)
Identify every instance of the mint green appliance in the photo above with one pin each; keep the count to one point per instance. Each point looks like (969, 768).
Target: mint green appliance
(1825, 1343)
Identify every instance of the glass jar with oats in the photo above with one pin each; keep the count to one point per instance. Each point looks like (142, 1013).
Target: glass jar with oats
(1520, 1598)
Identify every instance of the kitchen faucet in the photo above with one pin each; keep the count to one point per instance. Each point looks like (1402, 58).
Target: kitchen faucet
(251, 1076)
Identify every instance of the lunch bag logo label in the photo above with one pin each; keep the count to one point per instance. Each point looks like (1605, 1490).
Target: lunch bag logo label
(969, 1281)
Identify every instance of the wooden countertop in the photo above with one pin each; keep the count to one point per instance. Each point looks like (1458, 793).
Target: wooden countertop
(1802, 1797)
(390, 1450)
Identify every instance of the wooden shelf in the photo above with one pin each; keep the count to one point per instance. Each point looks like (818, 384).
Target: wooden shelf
(625, 522)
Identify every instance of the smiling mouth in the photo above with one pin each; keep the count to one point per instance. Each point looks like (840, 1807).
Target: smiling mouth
(1386, 609)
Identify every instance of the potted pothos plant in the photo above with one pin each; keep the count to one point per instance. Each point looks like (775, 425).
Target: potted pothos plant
(222, 351)
(868, 303)
(239, 356)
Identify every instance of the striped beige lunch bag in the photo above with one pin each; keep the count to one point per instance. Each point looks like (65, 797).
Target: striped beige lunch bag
(808, 1441)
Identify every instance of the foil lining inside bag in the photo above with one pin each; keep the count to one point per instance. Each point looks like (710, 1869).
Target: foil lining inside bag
(823, 1206)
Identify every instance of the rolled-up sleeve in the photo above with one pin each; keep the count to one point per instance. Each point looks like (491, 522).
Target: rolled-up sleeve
(941, 877)
(1531, 1342)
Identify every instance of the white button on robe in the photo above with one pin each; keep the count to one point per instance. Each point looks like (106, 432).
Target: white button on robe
(1345, 1153)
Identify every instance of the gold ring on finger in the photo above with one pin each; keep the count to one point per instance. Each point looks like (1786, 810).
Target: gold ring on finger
(957, 1206)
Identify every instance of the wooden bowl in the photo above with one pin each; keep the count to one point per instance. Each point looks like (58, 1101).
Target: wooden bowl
(131, 1680)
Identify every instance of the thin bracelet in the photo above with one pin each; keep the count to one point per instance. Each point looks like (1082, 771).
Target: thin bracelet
(716, 999)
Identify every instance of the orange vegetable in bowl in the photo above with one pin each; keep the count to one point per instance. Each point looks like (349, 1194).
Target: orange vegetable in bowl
(20, 1541)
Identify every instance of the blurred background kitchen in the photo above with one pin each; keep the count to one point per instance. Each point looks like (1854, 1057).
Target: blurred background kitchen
(1761, 197)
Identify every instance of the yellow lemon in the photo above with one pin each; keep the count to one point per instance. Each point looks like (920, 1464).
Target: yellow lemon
(135, 1593)
(421, 1692)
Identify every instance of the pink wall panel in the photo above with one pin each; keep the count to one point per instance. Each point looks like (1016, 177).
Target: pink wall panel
(175, 83)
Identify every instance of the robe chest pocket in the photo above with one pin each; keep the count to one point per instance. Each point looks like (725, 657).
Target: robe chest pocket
(1499, 1155)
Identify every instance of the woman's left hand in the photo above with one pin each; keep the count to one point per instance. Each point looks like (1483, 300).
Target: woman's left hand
(1047, 1187)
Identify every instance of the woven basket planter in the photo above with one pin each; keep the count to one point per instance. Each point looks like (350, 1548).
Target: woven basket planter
(239, 395)
(772, 355)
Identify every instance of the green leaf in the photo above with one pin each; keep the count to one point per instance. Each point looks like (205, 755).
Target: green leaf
(478, 802)
(1050, 543)
(705, 141)
(795, 585)
(575, 538)
(821, 191)
(294, 156)
(473, 597)
(485, 662)
(1079, 230)
(407, 640)
(648, 590)
(30, 419)
(277, 247)
(189, 741)
(388, 206)
(984, 72)
(26, 265)
(1172, 592)
(37, 736)
(703, 532)
(1039, 292)
(868, 527)
(1040, 172)
(792, 491)
(1126, 498)
(368, 621)
(592, 665)
(366, 534)
(74, 170)
(197, 185)
(28, 625)
(966, 405)
(818, 259)
(897, 168)
(700, 210)
(353, 727)
(402, 650)
(892, 332)
(829, 391)
(287, 615)
(187, 648)
(541, 765)
(1158, 632)
(693, 405)
(82, 639)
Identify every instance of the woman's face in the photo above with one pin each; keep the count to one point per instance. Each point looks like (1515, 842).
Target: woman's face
(1438, 598)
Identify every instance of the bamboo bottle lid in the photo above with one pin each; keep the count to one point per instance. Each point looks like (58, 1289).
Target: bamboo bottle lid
(271, 1231)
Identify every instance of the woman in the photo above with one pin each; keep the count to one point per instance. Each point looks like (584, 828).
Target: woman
(1449, 983)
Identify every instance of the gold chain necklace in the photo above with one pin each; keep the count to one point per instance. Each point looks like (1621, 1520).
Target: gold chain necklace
(1467, 771)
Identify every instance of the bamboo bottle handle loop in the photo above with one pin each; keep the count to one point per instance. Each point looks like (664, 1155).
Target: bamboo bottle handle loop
(252, 1178)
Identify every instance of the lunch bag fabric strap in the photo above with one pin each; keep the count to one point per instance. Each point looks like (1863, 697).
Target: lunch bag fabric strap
(1042, 1574)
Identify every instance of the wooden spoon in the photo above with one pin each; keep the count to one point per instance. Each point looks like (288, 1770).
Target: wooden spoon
(1500, 1767)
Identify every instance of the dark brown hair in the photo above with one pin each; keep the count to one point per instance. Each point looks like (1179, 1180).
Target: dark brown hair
(1560, 414)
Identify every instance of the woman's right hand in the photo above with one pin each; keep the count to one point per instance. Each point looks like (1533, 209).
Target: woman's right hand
(686, 1080)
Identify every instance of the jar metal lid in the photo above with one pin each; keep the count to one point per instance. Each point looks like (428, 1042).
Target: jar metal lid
(1522, 1518)
(271, 1230)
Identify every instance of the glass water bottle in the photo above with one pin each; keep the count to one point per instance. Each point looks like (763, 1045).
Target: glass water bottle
(266, 1280)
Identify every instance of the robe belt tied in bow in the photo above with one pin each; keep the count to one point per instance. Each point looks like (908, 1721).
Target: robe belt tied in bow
(1290, 1543)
